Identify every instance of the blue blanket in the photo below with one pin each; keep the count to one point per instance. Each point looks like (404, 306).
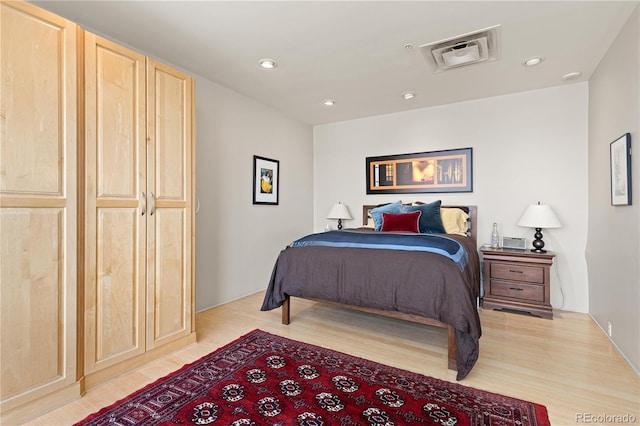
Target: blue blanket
(432, 243)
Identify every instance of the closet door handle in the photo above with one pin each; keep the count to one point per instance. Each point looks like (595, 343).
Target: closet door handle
(143, 203)
(153, 204)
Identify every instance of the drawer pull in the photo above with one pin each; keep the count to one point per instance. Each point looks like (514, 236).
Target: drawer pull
(514, 288)
(515, 271)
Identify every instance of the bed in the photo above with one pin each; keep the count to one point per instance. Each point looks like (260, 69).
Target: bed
(364, 269)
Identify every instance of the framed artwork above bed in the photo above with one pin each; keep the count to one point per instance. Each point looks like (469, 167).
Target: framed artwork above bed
(425, 172)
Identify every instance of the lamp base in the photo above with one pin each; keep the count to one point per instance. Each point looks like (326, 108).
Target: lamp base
(339, 224)
(538, 244)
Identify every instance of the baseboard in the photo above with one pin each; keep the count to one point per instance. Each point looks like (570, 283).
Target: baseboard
(232, 300)
(615, 346)
(40, 406)
(93, 379)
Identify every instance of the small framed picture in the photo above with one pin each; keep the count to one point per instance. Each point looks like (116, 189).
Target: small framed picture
(620, 158)
(266, 180)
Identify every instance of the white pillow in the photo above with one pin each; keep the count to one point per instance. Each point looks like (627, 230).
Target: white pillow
(454, 220)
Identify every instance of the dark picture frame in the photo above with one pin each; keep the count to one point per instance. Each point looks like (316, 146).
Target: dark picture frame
(620, 167)
(266, 180)
(424, 172)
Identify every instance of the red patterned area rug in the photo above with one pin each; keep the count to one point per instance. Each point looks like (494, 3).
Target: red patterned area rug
(263, 379)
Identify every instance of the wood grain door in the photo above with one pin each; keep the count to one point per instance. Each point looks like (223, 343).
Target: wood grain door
(38, 214)
(116, 212)
(169, 182)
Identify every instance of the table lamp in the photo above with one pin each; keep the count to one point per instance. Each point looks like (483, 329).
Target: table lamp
(539, 216)
(339, 211)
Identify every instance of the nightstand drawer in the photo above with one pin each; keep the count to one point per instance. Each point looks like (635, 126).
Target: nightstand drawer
(516, 272)
(517, 290)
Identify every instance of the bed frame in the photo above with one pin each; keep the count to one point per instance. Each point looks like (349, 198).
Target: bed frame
(472, 211)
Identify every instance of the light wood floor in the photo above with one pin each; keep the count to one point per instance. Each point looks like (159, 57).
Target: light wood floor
(566, 364)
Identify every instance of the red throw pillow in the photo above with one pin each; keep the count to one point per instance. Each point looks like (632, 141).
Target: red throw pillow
(403, 222)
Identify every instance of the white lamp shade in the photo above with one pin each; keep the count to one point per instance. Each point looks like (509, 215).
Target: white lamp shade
(339, 211)
(539, 216)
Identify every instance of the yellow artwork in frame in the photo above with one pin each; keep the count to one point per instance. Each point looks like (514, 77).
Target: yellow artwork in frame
(266, 180)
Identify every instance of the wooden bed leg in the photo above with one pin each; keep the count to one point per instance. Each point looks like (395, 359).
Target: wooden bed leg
(453, 349)
(286, 319)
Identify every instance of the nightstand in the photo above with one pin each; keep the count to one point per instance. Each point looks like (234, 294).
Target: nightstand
(518, 280)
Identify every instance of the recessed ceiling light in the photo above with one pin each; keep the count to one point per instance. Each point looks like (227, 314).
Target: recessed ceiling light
(268, 63)
(571, 75)
(534, 60)
(329, 102)
(408, 95)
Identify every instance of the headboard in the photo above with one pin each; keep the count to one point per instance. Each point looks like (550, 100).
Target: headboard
(472, 211)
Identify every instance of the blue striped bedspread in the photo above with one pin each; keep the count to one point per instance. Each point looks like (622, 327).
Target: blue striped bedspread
(432, 243)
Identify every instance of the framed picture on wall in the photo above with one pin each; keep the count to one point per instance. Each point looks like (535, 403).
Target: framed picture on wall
(424, 172)
(620, 160)
(266, 180)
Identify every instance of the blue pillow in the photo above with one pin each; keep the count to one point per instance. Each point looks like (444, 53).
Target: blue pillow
(376, 214)
(430, 220)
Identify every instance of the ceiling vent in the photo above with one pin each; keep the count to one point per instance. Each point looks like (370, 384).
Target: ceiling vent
(467, 49)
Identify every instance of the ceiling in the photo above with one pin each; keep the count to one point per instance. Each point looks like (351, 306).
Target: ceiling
(354, 51)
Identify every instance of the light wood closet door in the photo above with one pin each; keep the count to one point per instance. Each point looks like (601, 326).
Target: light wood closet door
(116, 211)
(169, 182)
(38, 214)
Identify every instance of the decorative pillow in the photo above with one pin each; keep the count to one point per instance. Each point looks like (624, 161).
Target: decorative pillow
(370, 223)
(403, 222)
(376, 214)
(430, 220)
(454, 220)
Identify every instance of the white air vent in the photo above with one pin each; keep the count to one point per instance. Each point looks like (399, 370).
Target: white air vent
(467, 49)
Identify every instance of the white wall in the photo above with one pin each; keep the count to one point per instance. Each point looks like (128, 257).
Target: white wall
(237, 242)
(613, 251)
(526, 147)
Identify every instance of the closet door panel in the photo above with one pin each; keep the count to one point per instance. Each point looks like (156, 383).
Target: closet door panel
(115, 215)
(117, 296)
(32, 305)
(170, 97)
(169, 174)
(38, 210)
(33, 94)
(118, 131)
(170, 294)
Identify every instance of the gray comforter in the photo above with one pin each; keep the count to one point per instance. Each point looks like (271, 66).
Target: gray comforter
(419, 283)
